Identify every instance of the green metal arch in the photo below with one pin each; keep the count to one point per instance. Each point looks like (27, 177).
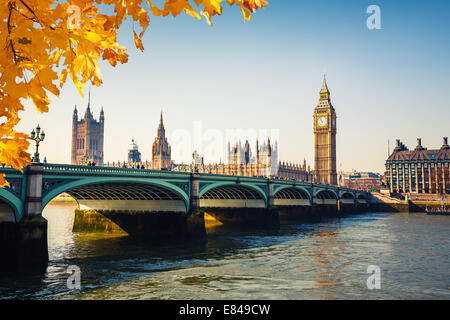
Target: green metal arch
(361, 194)
(14, 202)
(331, 190)
(232, 183)
(351, 193)
(295, 187)
(100, 180)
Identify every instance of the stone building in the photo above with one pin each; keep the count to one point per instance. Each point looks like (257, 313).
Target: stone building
(266, 157)
(420, 170)
(366, 181)
(87, 137)
(325, 138)
(241, 162)
(161, 151)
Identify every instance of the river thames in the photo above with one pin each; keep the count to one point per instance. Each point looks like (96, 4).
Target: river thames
(320, 260)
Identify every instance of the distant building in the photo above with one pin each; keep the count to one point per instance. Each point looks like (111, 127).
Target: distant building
(161, 151)
(241, 162)
(87, 137)
(198, 159)
(419, 170)
(266, 157)
(366, 181)
(133, 152)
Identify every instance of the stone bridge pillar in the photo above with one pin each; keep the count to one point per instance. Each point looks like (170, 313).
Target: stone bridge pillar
(23, 245)
(195, 224)
(270, 195)
(33, 200)
(195, 191)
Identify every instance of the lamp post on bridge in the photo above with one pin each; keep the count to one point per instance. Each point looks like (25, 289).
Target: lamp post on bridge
(38, 137)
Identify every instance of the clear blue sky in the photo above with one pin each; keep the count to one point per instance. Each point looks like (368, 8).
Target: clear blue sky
(267, 73)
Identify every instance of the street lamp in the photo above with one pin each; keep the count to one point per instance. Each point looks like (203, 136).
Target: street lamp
(194, 167)
(84, 161)
(38, 137)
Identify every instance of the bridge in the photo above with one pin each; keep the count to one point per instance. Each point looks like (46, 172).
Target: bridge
(161, 203)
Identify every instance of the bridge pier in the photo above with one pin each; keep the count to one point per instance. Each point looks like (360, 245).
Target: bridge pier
(24, 243)
(270, 194)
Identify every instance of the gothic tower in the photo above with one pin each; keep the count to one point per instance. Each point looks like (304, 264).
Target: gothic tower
(161, 151)
(325, 138)
(87, 137)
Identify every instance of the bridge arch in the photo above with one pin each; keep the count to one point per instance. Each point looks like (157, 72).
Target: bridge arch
(129, 191)
(292, 196)
(233, 194)
(361, 198)
(10, 206)
(347, 197)
(326, 196)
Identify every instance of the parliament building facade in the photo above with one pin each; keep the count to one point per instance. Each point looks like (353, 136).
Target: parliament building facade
(87, 138)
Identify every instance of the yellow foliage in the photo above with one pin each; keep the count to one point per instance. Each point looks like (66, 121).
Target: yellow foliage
(44, 41)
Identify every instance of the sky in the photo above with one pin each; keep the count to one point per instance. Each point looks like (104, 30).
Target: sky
(263, 77)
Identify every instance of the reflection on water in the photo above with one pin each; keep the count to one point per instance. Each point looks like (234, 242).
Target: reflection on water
(325, 260)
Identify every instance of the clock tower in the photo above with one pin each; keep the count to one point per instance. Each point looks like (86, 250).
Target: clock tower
(325, 139)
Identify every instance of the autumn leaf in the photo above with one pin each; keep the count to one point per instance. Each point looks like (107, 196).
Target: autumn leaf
(138, 42)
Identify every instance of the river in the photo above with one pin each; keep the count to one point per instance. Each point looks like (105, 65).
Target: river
(322, 260)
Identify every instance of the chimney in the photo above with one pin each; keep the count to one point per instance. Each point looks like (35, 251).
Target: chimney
(445, 143)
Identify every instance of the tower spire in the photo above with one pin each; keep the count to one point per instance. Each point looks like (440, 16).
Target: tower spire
(161, 130)
(88, 109)
(324, 84)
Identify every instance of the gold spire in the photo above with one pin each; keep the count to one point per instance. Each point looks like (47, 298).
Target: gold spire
(324, 92)
(324, 84)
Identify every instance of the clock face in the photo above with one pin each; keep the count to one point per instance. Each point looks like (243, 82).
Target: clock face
(322, 121)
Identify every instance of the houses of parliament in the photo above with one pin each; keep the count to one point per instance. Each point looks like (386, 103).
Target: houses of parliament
(88, 136)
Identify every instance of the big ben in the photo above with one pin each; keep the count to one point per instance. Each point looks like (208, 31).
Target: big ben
(325, 138)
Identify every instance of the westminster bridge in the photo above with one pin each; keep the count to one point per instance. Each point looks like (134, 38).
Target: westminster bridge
(155, 203)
